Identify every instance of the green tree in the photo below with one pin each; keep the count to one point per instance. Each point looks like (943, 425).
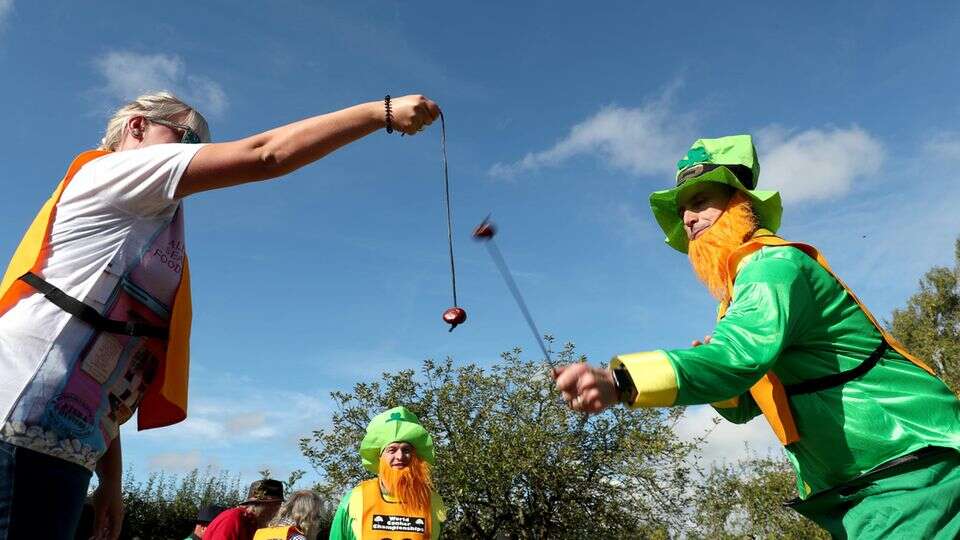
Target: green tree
(165, 506)
(288, 484)
(929, 325)
(745, 500)
(513, 461)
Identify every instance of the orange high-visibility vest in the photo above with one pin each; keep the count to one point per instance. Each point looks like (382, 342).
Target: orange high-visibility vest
(165, 401)
(389, 521)
(768, 392)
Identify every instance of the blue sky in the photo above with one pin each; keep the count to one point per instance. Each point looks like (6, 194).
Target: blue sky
(561, 120)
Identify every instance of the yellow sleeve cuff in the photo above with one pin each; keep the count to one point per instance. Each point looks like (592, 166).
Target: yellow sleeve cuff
(653, 376)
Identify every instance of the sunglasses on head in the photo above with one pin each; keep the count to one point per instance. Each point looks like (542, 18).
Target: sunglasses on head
(188, 135)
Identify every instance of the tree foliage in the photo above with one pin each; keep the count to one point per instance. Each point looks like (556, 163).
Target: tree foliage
(929, 325)
(165, 506)
(513, 461)
(745, 500)
(289, 484)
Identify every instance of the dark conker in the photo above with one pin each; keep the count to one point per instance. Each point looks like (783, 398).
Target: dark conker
(454, 316)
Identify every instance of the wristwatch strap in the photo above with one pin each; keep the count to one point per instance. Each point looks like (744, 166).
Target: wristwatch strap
(626, 390)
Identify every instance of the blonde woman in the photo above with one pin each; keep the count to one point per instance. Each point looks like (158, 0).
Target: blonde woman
(95, 304)
(298, 518)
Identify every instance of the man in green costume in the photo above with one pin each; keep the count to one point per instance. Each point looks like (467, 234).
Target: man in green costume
(399, 503)
(872, 435)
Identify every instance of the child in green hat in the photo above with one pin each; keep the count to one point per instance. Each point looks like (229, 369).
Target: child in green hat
(872, 434)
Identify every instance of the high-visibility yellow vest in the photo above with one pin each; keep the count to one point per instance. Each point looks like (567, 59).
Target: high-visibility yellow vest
(276, 533)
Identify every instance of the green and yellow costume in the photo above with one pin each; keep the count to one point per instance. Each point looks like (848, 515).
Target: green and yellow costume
(367, 512)
(875, 454)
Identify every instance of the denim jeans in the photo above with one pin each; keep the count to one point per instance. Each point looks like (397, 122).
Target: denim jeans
(40, 496)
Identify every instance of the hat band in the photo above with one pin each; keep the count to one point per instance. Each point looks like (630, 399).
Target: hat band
(743, 173)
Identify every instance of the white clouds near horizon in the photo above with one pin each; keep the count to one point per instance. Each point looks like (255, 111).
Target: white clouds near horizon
(816, 164)
(637, 140)
(130, 74)
(726, 441)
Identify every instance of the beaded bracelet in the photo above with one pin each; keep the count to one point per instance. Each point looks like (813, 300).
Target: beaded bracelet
(389, 113)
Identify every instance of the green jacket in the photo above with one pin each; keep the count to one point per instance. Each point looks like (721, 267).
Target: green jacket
(791, 317)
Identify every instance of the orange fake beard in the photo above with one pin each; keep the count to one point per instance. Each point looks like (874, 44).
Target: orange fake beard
(411, 485)
(709, 252)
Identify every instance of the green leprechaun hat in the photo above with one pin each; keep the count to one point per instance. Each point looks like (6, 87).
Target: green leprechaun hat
(395, 425)
(728, 160)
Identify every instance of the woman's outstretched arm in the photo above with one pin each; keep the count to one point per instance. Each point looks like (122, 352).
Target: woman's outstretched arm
(285, 149)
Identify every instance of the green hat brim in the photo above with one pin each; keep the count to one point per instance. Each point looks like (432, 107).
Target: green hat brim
(766, 205)
(395, 425)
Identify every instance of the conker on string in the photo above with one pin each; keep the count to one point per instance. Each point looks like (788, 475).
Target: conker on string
(484, 231)
(454, 316)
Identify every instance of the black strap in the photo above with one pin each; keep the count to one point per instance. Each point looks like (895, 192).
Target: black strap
(836, 379)
(89, 315)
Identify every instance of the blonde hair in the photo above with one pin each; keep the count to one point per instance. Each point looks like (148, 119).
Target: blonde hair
(157, 106)
(302, 510)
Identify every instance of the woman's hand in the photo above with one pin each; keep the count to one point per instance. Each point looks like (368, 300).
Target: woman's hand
(107, 511)
(411, 113)
(108, 498)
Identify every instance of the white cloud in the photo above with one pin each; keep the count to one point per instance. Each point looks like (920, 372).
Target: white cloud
(816, 164)
(199, 426)
(227, 421)
(251, 425)
(640, 140)
(6, 8)
(178, 462)
(944, 146)
(130, 74)
(726, 441)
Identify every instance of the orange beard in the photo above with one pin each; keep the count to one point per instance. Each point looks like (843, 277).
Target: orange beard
(411, 485)
(709, 252)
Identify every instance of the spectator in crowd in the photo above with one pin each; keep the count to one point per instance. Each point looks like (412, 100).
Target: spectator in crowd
(205, 515)
(298, 518)
(242, 522)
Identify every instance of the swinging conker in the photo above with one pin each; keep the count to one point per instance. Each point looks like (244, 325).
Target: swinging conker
(484, 231)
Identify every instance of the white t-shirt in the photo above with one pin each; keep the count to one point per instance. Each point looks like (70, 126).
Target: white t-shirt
(59, 378)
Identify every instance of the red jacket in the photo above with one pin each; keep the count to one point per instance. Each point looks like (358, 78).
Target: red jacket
(233, 524)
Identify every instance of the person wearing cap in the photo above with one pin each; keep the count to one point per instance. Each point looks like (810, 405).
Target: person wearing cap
(399, 503)
(872, 434)
(205, 515)
(242, 522)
